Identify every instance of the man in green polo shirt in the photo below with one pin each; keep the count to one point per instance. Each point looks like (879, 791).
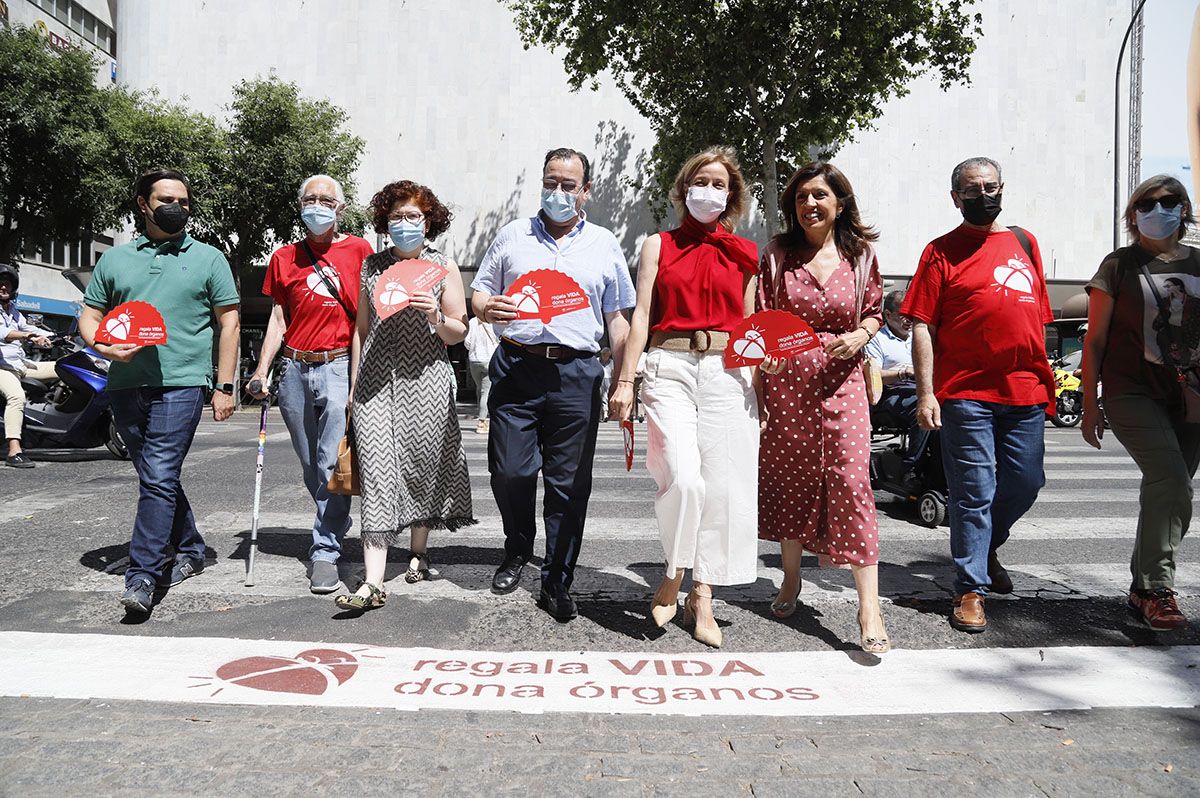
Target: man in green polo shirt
(157, 391)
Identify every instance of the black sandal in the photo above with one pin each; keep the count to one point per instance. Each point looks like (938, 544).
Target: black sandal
(422, 572)
(355, 603)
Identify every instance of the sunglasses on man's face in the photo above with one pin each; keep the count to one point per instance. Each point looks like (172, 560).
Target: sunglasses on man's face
(1168, 202)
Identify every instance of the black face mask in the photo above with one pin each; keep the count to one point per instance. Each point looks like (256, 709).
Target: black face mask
(981, 210)
(170, 218)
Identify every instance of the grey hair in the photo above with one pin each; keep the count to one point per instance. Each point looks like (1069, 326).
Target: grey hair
(969, 163)
(341, 195)
(893, 301)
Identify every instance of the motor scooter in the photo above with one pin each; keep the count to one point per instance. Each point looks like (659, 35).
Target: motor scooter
(73, 411)
(1068, 393)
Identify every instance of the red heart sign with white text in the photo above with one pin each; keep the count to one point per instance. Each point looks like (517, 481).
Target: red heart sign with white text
(768, 333)
(396, 286)
(627, 428)
(544, 293)
(132, 323)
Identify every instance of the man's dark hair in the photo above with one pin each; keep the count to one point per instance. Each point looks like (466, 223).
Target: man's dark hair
(146, 182)
(893, 301)
(566, 154)
(969, 163)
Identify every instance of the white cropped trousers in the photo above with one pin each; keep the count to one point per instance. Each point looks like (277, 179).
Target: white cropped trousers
(702, 450)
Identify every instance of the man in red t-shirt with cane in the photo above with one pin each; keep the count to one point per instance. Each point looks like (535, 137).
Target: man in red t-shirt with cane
(314, 285)
(979, 304)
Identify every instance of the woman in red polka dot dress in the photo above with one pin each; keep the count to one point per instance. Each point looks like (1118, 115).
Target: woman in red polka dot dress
(814, 488)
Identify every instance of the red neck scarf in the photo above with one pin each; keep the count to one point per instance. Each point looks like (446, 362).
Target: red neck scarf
(733, 250)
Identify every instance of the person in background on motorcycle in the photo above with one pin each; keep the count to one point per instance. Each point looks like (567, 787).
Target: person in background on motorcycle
(979, 305)
(893, 349)
(1144, 398)
(312, 321)
(157, 392)
(14, 366)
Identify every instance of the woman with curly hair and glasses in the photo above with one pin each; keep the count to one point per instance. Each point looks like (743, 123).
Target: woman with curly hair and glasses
(412, 467)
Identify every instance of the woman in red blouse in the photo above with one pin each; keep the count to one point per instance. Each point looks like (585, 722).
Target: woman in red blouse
(695, 284)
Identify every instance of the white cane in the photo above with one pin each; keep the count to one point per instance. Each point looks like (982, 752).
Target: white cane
(256, 386)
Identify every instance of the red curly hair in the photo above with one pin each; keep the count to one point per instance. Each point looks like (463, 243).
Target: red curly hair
(437, 215)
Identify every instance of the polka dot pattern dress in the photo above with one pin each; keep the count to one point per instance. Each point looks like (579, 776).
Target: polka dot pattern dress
(814, 460)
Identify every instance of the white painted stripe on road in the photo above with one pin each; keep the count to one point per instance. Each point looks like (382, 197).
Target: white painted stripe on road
(639, 528)
(274, 673)
(24, 507)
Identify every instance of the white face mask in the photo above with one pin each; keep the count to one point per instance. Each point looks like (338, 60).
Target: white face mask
(705, 203)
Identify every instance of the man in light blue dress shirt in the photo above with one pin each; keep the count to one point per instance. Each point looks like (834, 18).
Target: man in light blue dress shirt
(545, 403)
(892, 347)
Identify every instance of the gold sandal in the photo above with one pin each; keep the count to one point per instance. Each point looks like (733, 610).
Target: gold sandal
(423, 570)
(353, 602)
(873, 645)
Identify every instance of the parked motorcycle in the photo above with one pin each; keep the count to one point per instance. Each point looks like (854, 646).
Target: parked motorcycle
(1068, 394)
(73, 411)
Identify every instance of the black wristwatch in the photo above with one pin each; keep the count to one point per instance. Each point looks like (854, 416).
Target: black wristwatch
(224, 387)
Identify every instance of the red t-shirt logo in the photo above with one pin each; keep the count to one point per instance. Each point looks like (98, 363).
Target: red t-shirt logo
(1013, 276)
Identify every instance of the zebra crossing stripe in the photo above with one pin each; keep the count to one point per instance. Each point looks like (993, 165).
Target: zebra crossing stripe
(826, 683)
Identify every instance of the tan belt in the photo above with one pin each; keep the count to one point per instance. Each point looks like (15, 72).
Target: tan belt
(315, 357)
(700, 341)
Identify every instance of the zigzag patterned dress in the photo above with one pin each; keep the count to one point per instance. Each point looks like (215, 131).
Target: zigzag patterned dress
(410, 454)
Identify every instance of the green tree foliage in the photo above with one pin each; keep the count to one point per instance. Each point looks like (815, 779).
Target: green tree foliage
(275, 138)
(53, 143)
(782, 81)
(70, 153)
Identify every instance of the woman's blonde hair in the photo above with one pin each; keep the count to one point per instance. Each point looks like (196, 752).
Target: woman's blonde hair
(735, 204)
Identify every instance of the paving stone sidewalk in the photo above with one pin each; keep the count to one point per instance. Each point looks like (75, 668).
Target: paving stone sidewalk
(51, 747)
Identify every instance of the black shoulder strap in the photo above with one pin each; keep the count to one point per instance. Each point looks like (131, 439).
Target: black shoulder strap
(1023, 237)
(314, 260)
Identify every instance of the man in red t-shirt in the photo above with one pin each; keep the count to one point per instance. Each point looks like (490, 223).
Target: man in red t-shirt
(979, 304)
(314, 285)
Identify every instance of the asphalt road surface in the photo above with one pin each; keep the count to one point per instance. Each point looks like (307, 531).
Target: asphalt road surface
(1065, 694)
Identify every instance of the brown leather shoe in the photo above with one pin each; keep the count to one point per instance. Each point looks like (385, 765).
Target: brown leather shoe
(967, 615)
(1001, 581)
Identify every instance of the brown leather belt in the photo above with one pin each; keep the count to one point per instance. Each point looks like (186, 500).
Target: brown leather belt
(549, 351)
(315, 357)
(699, 341)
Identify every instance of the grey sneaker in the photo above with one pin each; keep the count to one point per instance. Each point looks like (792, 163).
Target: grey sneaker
(324, 577)
(139, 597)
(185, 569)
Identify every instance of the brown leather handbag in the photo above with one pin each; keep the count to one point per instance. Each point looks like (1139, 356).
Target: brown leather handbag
(344, 479)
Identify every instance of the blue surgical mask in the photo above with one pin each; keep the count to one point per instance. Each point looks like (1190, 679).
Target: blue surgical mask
(559, 206)
(407, 236)
(1159, 223)
(317, 218)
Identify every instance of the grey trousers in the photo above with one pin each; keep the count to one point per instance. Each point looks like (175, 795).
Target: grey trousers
(1167, 452)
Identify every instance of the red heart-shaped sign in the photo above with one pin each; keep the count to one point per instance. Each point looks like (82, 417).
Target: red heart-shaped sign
(132, 323)
(546, 293)
(310, 672)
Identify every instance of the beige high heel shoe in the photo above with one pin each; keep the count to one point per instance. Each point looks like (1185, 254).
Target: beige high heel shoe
(873, 645)
(708, 634)
(786, 609)
(662, 606)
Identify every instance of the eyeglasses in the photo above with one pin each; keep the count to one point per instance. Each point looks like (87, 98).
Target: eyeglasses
(974, 192)
(313, 199)
(569, 186)
(412, 217)
(1168, 202)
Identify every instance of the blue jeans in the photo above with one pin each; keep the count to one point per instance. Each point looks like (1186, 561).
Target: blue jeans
(158, 425)
(901, 402)
(994, 469)
(312, 399)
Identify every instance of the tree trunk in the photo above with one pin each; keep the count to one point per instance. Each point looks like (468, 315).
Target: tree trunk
(770, 183)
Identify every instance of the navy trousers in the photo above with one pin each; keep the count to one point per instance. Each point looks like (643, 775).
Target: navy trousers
(544, 416)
